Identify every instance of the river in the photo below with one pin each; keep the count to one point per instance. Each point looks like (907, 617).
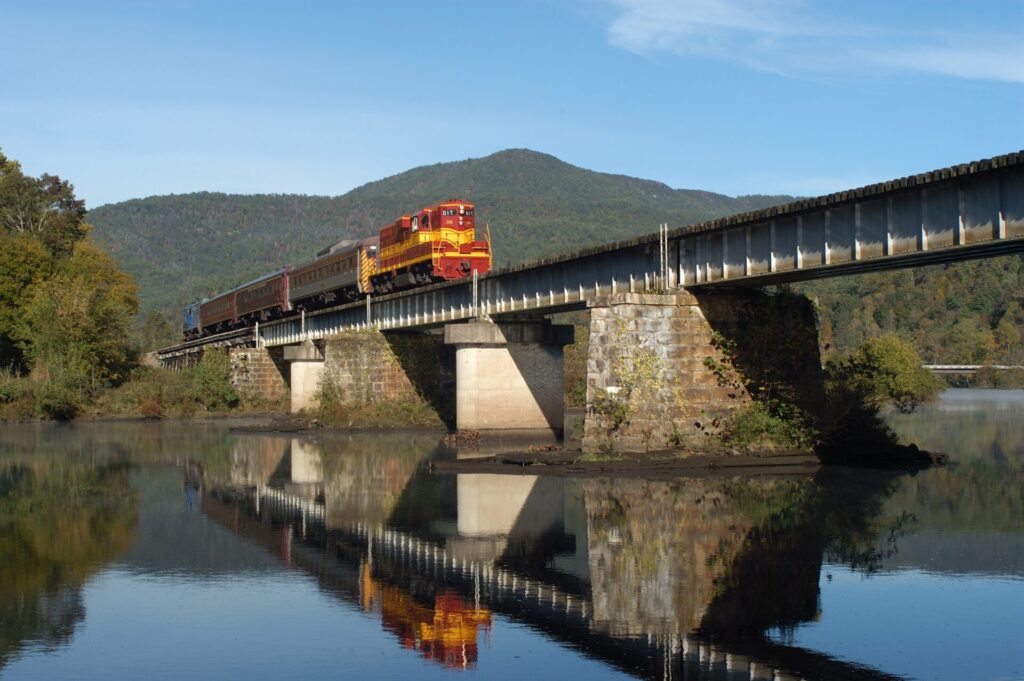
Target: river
(186, 550)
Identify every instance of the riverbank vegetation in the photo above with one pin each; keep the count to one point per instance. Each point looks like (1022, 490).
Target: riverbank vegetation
(883, 373)
(67, 342)
(66, 307)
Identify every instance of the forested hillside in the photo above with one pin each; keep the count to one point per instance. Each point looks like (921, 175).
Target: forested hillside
(180, 248)
(968, 313)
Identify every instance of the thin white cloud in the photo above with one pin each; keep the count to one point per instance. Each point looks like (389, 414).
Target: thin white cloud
(980, 63)
(793, 37)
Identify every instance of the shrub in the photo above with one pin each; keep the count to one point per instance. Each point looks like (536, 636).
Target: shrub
(209, 382)
(769, 426)
(12, 386)
(884, 370)
(62, 387)
(333, 408)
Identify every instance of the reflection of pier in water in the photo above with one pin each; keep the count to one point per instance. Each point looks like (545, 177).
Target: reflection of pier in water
(549, 553)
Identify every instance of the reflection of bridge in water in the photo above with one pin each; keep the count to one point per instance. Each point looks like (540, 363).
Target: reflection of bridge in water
(580, 561)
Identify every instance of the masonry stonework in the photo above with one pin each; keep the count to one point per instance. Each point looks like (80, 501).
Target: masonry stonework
(370, 366)
(657, 376)
(259, 374)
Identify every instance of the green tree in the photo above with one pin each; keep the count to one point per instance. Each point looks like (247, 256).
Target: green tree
(44, 207)
(156, 332)
(80, 317)
(24, 264)
(884, 370)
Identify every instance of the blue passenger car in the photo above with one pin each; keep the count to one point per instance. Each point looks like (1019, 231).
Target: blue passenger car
(190, 321)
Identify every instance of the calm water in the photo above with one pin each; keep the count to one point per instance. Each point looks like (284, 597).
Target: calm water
(184, 551)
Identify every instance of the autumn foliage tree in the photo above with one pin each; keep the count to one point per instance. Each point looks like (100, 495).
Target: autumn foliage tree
(65, 306)
(83, 313)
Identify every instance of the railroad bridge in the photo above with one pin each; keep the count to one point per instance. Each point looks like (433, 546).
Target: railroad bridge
(658, 305)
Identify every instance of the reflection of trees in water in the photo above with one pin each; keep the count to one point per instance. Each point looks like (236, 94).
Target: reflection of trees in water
(59, 523)
(977, 495)
(772, 582)
(139, 442)
(967, 429)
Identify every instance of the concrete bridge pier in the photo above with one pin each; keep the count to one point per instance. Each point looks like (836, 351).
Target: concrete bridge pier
(306, 371)
(509, 375)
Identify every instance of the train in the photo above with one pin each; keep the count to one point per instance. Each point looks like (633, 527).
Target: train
(437, 243)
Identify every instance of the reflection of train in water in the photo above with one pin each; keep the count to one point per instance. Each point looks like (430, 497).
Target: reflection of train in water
(437, 243)
(446, 633)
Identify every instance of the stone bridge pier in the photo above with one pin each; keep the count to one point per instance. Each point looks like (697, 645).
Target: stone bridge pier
(669, 370)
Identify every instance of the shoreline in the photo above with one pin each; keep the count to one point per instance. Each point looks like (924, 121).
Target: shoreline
(649, 466)
(504, 454)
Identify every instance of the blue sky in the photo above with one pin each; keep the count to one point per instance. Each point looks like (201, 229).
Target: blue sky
(131, 99)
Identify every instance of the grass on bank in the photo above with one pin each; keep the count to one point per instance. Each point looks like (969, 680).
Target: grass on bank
(333, 408)
(61, 393)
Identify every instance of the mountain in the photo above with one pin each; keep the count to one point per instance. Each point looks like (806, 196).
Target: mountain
(181, 247)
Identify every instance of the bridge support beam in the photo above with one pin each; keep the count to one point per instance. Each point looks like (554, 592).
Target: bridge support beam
(509, 375)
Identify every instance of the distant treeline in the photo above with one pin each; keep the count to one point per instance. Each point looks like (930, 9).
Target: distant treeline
(968, 313)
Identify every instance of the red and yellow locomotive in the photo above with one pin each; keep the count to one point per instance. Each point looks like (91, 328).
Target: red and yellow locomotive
(435, 244)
